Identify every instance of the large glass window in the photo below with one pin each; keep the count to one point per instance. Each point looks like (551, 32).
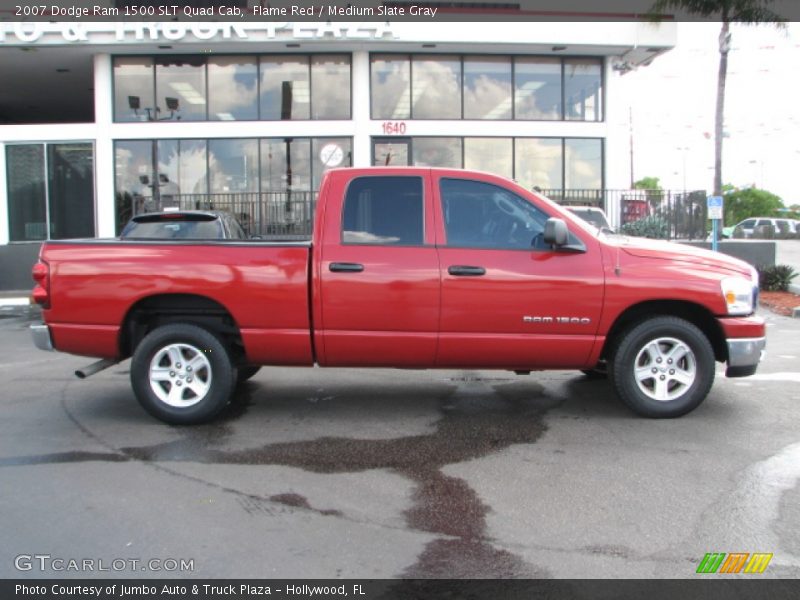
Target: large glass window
(546, 163)
(285, 88)
(438, 152)
(50, 191)
(487, 87)
(391, 87)
(329, 153)
(383, 210)
(582, 90)
(70, 190)
(482, 215)
(233, 166)
(228, 88)
(537, 88)
(436, 87)
(27, 201)
(494, 155)
(180, 89)
(583, 163)
(538, 162)
(134, 89)
(233, 88)
(426, 86)
(285, 164)
(330, 87)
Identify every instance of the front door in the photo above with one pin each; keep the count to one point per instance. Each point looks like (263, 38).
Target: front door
(509, 300)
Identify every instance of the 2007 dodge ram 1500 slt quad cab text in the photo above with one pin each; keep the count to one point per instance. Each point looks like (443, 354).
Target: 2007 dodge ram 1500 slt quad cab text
(410, 268)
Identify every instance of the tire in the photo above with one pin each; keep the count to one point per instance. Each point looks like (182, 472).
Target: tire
(245, 373)
(645, 379)
(182, 374)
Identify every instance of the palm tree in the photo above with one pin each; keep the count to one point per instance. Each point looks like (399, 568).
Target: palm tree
(727, 11)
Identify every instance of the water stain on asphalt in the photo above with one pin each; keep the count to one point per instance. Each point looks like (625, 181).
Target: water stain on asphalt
(478, 418)
(490, 417)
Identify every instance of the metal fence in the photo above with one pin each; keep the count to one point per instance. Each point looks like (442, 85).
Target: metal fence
(270, 215)
(290, 215)
(683, 213)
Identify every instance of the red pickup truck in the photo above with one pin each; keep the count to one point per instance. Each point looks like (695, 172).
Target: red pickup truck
(411, 268)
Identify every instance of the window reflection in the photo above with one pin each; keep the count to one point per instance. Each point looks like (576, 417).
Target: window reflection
(437, 152)
(285, 88)
(233, 166)
(436, 85)
(27, 212)
(538, 162)
(583, 163)
(487, 87)
(537, 90)
(583, 90)
(391, 87)
(489, 154)
(232, 88)
(180, 89)
(134, 94)
(285, 164)
(330, 85)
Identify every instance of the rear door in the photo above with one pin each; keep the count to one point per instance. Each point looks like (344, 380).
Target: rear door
(378, 288)
(508, 300)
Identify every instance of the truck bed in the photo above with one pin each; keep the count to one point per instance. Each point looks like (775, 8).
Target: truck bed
(262, 285)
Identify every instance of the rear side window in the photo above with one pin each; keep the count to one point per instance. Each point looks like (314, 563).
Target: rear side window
(384, 211)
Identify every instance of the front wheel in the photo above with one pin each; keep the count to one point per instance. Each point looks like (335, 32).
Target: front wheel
(182, 374)
(663, 367)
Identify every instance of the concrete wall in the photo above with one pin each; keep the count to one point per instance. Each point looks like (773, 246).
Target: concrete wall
(16, 261)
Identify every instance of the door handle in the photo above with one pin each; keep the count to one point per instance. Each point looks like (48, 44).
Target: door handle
(466, 271)
(346, 267)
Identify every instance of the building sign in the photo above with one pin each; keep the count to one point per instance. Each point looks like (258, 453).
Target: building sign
(122, 32)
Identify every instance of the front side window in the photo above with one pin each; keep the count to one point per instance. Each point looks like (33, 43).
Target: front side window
(483, 215)
(384, 211)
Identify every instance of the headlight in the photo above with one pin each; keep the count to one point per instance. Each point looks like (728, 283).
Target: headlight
(738, 295)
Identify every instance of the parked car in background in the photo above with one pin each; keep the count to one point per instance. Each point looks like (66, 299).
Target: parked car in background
(184, 225)
(749, 228)
(591, 214)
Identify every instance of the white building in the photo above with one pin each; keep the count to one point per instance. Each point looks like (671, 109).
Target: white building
(99, 121)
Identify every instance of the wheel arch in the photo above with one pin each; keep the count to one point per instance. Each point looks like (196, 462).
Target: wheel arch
(696, 314)
(154, 311)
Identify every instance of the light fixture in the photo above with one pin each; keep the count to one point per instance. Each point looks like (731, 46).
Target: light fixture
(165, 47)
(62, 70)
(292, 45)
(429, 45)
(558, 48)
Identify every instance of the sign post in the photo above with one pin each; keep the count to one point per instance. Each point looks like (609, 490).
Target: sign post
(715, 209)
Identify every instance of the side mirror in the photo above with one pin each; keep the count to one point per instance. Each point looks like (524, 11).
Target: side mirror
(556, 232)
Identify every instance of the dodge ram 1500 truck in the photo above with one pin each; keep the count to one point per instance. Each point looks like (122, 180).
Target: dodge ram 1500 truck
(409, 268)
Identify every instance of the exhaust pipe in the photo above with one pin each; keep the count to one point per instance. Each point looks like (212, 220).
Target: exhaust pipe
(95, 367)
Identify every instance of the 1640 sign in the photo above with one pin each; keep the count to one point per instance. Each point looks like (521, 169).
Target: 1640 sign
(394, 127)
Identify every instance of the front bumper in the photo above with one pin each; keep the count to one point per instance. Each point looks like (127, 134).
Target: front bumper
(744, 354)
(41, 337)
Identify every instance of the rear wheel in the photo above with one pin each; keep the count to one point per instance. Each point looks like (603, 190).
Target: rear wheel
(663, 367)
(182, 374)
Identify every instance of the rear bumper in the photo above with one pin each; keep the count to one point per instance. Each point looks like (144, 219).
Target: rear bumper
(42, 338)
(744, 355)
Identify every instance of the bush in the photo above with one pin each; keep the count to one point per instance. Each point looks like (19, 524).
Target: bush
(650, 227)
(776, 278)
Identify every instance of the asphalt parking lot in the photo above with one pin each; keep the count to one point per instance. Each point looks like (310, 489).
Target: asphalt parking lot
(385, 474)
